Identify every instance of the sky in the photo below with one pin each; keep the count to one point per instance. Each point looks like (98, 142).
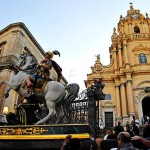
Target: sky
(78, 29)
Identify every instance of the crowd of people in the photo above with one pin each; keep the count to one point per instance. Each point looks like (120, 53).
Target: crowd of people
(124, 137)
(145, 119)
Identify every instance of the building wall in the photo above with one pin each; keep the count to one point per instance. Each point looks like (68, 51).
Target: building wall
(17, 37)
(125, 78)
(14, 39)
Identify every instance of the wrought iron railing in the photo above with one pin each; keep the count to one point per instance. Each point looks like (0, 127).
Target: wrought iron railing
(79, 113)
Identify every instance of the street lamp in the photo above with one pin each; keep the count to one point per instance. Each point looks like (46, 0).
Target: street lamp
(95, 94)
(5, 110)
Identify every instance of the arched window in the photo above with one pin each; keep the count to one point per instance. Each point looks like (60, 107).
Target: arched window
(142, 59)
(2, 46)
(1, 49)
(136, 29)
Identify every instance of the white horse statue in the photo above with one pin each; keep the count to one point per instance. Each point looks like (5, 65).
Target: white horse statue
(54, 93)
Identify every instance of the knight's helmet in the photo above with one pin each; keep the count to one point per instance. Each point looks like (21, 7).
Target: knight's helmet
(51, 54)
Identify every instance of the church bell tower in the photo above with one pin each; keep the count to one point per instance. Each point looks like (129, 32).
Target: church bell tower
(126, 78)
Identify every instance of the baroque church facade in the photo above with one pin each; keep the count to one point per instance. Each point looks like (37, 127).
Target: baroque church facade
(14, 40)
(127, 77)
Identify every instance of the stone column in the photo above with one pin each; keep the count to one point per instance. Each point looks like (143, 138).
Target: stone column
(124, 104)
(123, 99)
(149, 25)
(118, 102)
(120, 56)
(125, 52)
(142, 24)
(130, 97)
(122, 27)
(115, 59)
(130, 27)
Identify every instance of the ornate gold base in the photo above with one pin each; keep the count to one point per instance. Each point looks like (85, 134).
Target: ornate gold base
(44, 132)
(37, 137)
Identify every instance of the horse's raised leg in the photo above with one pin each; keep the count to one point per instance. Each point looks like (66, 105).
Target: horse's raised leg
(51, 113)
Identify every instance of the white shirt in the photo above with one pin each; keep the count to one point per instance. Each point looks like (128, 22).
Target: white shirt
(105, 137)
(137, 123)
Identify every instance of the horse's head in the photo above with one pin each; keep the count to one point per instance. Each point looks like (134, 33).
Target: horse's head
(21, 60)
(26, 61)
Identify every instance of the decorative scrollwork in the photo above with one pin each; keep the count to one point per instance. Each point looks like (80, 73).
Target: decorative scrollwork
(22, 131)
(140, 95)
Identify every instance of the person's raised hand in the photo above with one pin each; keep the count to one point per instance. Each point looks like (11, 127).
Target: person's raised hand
(67, 139)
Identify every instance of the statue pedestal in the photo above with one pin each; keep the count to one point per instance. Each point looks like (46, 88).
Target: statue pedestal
(40, 136)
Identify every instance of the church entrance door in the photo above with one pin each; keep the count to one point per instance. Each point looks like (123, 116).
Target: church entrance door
(145, 106)
(108, 119)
